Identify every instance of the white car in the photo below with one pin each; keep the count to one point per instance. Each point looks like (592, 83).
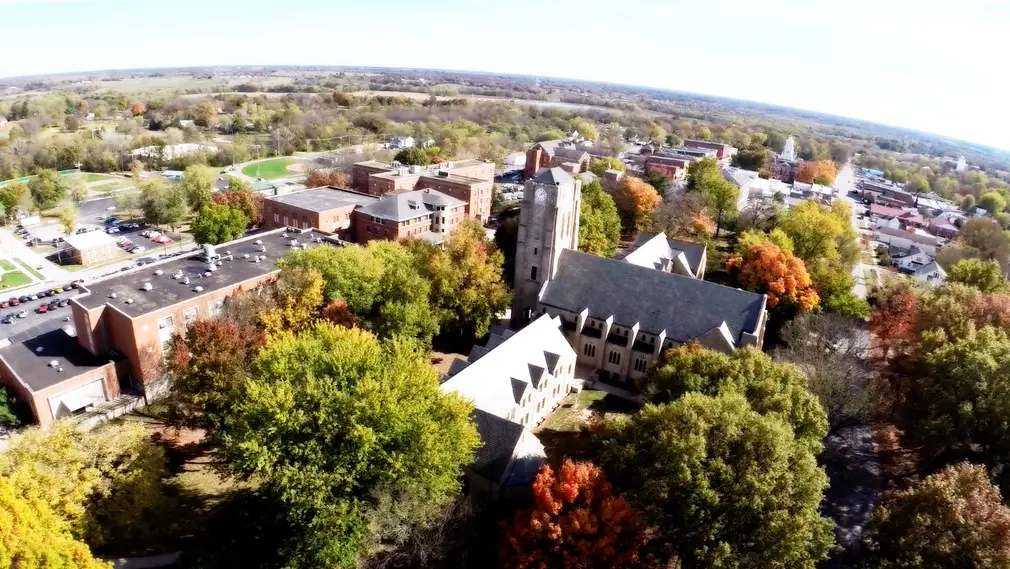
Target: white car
(112, 230)
(111, 208)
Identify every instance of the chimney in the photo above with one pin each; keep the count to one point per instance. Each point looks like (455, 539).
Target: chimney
(533, 160)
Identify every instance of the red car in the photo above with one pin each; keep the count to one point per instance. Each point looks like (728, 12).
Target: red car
(42, 309)
(4, 304)
(15, 302)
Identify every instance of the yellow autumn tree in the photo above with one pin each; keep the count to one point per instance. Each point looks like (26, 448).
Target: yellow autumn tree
(635, 200)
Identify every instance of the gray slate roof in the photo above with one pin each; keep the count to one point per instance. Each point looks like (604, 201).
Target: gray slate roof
(324, 198)
(693, 251)
(402, 206)
(500, 437)
(552, 176)
(686, 308)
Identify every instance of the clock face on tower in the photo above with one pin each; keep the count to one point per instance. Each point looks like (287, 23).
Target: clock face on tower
(539, 207)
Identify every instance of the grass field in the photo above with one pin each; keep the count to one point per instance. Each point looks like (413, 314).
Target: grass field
(34, 273)
(14, 279)
(92, 177)
(270, 169)
(7, 265)
(111, 186)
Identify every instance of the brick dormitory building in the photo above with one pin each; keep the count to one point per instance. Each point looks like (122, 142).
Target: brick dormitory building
(120, 326)
(470, 181)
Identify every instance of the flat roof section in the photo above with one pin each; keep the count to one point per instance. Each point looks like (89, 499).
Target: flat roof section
(324, 198)
(166, 291)
(30, 358)
(89, 240)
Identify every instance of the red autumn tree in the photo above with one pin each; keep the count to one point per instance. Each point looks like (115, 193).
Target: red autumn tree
(207, 365)
(248, 201)
(576, 522)
(814, 169)
(137, 108)
(340, 314)
(768, 269)
(894, 318)
(635, 200)
(328, 177)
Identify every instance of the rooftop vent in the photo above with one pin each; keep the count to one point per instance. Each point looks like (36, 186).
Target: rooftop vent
(206, 273)
(198, 288)
(128, 301)
(294, 242)
(263, 248)
(259, 241)
(245, 255)
(159, 272)
(54, 363)
(147, 286)
(39, 350)
(185, 281)
(227, 251)
(113, 295)
(284, 235)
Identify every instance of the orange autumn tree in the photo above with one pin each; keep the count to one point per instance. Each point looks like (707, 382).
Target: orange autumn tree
(769, 269)
(137, 108)
(895, 317)
(576, 522)
(328, 177)
(811, 170)
(635, 200)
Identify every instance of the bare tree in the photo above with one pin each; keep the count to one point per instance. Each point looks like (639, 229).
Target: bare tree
(832, 350)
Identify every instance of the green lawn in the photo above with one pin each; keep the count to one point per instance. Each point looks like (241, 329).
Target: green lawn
(91, 177)
(14, 279)
(111, 186)
(270, 169)
(34, 273)
(6, 265)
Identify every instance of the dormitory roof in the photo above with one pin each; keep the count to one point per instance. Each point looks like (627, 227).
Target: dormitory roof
(402, 206)
(685, 307)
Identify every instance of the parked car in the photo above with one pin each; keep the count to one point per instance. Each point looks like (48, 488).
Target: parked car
(53, 304)
(23, 314)
(81, 230)
(112, 230)
(126, 244)
(33, 297)
(137, 249)
(59, 290)
(42, 309)
(110, 220)
(34, 241)
(9, 319)
(64, 302)
(4, 304)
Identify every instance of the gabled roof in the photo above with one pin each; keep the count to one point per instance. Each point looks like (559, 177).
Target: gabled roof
(739, 176)
(685, 307)
(401, 206)
(651, 249)
(915, 237)
(885, 211)
(500, 438)
(490, 381)
(552, 176)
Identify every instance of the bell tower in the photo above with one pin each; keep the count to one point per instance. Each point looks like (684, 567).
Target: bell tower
(548, 224)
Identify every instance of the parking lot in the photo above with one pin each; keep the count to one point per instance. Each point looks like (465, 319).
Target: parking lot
(33, 322)
(133, 237)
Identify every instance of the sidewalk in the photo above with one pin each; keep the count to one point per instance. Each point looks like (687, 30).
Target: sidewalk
(12, 247)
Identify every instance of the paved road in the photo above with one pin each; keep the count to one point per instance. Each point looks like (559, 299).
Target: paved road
(845, 182)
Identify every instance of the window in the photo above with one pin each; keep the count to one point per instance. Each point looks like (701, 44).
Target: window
(189, 314)
(533, 273)
(589, 350)
(534, 250)
(215, 306)
(640, 364)
(277, 217)
(625, 333)
(165, 322)
(614, 357)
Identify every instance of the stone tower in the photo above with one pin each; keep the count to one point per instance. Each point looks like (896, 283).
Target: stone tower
(548, 224)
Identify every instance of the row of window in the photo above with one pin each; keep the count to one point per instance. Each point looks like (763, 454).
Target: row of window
(589, 350)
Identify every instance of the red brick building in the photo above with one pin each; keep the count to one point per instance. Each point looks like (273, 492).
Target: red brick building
(422, 214)
(672, 168)
(722, 150)
(327, 208)
(92, 247)
(468, 180)
(556, 154)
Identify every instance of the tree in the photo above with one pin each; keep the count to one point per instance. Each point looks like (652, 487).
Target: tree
(327, 177)
(127, 201)
(770, 387)
(198, 186)
(219, 223)
(952, 519)
(379, 282)
(78, 190)
(294, 302)
(413, 156)
(705, 176)
(766, 268)
(332, 421)
(982, 238)
(106, 484)
(33, 535)
(968, 203)
(635, 200)
(244, 199)
(822, 179)
(12, 196)
(137, 108)
(599, 166)
(68, 219)
(993, 202)
(895, 316)
(831, 350)
(723, 485)
(46, 189)
(986, 276)
(749, 239)
(658, 181)
(917, 184)
(208, 366)
(71, 123)
(683, 217)
(161, 204)
(599, 221)
(751, 158)
(576, 521)
(466, 279)
(819, 233)
(811, 169)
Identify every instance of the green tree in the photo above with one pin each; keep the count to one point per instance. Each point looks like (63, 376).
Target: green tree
(751, 158)
(705, 176)
(599, 222)
(12, 196)
(600, 165)
(197, 185)
(466, 279)
(954, 519)
(68, 219)
(162, 204)
(333, 423)
(723, 485)
(771, 388)
(917, 184)
(993, 202)
(986, 276)
(968, 203)
(7, 416)
(823, 179)
(46, 190)
(77, 189)
(413, 156)
(219, 223)
(127, 201)
(380, 284)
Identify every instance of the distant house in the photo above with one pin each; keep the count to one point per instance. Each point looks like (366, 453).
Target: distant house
(401, 142)
(174, 175)
(904, 240)
(742, 179)
(185, 123)
(515, 161)
(556, 153)
(942, 228)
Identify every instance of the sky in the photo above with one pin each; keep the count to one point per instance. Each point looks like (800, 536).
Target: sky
(936, 66)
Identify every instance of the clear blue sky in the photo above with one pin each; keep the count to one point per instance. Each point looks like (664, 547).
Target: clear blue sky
(932, 65)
